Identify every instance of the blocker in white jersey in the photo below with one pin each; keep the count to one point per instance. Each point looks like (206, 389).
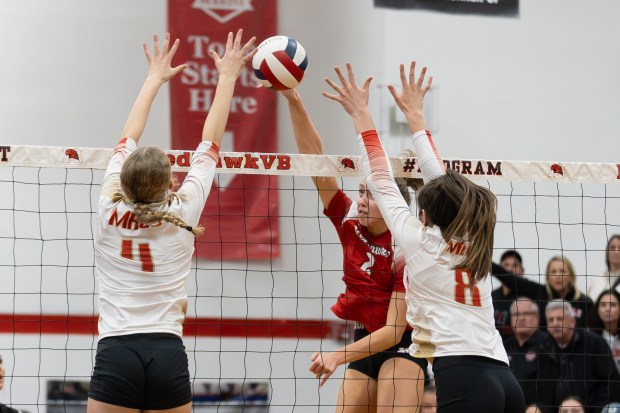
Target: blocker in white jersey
(144, 246)
(153, 259)
(447, 254)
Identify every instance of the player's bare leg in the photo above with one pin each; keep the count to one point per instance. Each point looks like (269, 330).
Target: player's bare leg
(400, 387)
(95, 406)
(357, 393)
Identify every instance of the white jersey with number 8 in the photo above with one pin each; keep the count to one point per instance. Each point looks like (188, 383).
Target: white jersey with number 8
(450, 316)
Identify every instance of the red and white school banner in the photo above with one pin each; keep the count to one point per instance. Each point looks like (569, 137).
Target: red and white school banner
(241, 215)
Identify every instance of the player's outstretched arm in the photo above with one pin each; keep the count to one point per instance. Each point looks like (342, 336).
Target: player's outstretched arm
(309, 142)
(159, 72)
(325, 364)
(410, 101)
(375, 165)
(229, 68)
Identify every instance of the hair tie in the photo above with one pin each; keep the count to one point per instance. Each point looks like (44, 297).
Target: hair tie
(189, 228)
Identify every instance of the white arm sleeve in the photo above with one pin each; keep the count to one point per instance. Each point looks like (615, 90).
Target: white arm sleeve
(403, 224)
(197, 183)
(429, 160)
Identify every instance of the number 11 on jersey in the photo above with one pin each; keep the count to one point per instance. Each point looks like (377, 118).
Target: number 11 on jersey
(144, 254)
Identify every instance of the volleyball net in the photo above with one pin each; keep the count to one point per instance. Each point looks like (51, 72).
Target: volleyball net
(252, 324)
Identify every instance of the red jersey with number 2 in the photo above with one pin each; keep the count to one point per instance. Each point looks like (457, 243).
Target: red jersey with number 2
(373, 269)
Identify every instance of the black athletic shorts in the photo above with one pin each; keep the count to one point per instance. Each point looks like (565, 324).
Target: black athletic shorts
(370, 366)
(141, 371)
(476, 384)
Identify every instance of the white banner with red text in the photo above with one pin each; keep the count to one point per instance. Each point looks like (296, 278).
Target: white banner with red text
(274, 164)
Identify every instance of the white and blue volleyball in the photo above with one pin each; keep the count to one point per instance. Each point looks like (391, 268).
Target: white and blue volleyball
(280, 63)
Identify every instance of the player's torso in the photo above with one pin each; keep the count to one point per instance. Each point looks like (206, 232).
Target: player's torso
(140, 249)
(141, 272)
(451, 313)
(368, 260)
(369, 273)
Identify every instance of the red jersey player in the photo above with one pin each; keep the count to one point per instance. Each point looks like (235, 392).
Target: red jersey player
(380, 373)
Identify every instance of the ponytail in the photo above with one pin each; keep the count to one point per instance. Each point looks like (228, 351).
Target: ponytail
(405, 183)
(465, 212)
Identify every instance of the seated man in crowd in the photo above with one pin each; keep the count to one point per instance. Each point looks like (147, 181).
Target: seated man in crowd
(574, 362)
(522, 347)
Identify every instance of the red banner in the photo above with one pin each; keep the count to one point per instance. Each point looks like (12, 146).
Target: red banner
(241, 215)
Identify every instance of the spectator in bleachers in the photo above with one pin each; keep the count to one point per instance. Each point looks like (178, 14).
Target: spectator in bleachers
(533, 408)
(561, 283)
(4, 408)
(574, 362)
(605, 320)
(503, 296)
(611, 278)
(523, 347)
(572, 404)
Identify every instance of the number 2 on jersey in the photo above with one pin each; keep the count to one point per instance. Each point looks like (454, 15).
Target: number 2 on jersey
(144, 254)
(465, 284)
(367, 266)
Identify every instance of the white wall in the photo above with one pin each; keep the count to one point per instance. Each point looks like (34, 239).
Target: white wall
(541, 87)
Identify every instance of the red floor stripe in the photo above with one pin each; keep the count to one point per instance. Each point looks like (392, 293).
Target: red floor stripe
(201, 327)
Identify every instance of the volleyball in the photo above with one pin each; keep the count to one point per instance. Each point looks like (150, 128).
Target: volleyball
(280, 63)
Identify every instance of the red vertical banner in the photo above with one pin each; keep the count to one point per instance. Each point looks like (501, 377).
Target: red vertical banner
(241, 215)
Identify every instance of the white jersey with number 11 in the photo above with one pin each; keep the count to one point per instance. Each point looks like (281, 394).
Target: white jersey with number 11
(142, 269)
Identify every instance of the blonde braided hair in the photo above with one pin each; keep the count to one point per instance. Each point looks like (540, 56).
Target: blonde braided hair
(145, 178)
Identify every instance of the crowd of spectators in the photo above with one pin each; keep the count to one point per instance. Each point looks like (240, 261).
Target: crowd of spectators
(564, 348)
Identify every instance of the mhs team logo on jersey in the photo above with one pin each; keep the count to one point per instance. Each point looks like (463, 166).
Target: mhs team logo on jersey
(557, 169)
(223, 10)
(347, 164)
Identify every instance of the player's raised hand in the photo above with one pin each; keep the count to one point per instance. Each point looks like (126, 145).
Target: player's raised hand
(235, 56)
(410, 100)
(160, 62)
(354, 99)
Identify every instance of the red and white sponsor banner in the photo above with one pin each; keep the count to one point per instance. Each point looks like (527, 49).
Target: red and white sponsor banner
(241, 215)
(274, 164)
